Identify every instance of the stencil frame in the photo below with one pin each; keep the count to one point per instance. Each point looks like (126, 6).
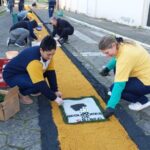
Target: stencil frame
(65, 118)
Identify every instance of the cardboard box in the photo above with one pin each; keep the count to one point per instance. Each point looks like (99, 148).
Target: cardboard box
(10, 106)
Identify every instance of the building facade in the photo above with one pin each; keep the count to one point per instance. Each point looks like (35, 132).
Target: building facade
(129, 12)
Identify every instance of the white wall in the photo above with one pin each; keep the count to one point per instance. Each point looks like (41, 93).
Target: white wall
(128, 12)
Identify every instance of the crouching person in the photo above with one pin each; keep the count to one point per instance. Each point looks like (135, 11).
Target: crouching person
(62, 28)
(29, 69)
(21, 31)
(132, 73)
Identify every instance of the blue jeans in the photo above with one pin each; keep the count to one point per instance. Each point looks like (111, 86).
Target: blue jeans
(23, 81)
(135, 91)
(50, 11)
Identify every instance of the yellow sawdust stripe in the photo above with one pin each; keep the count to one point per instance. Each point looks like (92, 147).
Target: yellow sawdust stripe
(109, 135)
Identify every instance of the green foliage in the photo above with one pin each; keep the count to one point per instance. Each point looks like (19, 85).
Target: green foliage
(2, 96)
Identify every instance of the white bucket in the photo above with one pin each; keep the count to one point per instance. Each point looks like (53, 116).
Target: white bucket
(11, 54)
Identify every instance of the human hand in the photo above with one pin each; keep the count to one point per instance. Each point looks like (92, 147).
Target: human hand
(108, 112)
(58, 94)
(104, 72)
(59, 101)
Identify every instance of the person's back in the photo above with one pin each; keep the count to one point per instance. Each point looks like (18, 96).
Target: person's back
(61, 23)
(22, 24)
(18, 64)
(139, 60)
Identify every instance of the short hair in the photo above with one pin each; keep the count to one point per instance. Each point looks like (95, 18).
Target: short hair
(48, 43)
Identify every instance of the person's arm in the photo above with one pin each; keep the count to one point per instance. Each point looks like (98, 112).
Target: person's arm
(51, 76)
(109, 66)
(45, 90)
(116, 94)
(35, 71)
(30, 28)
(114, 99)
(54, 31)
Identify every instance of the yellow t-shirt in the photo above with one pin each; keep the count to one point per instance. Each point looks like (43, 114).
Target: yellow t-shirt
(132, 61)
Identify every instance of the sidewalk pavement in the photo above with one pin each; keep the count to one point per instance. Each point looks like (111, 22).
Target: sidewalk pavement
(21, 132)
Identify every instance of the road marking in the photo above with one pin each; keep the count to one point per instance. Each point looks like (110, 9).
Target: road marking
(98, 33)
(106, 31)
(84, 37)
(93, 54)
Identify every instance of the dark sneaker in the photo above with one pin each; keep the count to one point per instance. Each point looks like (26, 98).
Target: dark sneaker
(9, 41)
(20, 44)
(62, 41)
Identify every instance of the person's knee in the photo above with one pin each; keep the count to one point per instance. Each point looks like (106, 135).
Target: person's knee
(26, 33)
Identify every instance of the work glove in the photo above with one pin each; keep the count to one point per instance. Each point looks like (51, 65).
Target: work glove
(104, 72)
(59, 101)
(108, 112)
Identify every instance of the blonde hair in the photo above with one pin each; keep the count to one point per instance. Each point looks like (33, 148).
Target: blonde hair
(107, 41)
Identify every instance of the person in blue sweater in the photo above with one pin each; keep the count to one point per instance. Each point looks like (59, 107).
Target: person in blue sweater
(132, 73)
(21, 31)
(29, 70)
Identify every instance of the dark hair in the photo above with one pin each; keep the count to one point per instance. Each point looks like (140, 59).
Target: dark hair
(48, 43)
(119, 39)
(107, 41)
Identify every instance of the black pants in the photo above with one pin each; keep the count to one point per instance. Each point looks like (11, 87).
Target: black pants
(65, 32)
(20, 6)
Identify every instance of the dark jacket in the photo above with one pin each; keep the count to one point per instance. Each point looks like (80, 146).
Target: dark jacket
(29, 25)
(52, 3)
(61, 25)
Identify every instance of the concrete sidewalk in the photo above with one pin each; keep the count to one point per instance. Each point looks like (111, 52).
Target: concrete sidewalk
(21, 132)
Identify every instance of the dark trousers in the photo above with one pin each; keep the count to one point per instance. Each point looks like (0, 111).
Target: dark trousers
(50, 10)
(65, 32)
(21, 6)
(135, 91)
(23, 81)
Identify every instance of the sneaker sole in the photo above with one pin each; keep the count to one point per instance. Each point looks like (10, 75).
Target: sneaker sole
(142, 107)
(19, 45)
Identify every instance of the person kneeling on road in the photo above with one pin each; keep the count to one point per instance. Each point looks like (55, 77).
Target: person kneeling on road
(29, 69)
(21, 31)
(132, 73)
(62, 28)
(23, 15)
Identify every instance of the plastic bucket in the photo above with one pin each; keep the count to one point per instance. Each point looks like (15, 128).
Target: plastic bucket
(11, 54)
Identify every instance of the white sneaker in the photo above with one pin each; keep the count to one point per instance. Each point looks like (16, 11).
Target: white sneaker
(138, 106)
(59, 101)
(109, 93)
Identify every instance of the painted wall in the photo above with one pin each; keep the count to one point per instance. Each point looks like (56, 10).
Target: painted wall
(128, 12)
